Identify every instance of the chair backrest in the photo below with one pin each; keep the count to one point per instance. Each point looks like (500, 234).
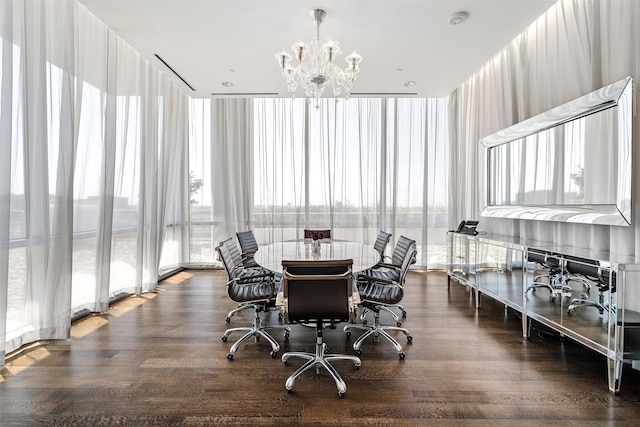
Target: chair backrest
(381, 242)
(536, 256)
(592, 270)
(584, 266)
(248, 243)
(234, 252)
(322, 234)
(410, 258)
(317, 291)
(226, 258)
(545, 259)
(400, 251)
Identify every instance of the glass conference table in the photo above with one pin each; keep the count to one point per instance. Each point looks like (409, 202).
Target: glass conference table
(271, 256)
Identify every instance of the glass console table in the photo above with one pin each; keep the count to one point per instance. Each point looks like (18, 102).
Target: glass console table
(504, 269)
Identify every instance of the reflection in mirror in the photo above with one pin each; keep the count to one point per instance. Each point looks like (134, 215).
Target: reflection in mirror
(572, 163)
(550, 167)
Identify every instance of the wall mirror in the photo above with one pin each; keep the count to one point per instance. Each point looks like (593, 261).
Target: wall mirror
(569, 164)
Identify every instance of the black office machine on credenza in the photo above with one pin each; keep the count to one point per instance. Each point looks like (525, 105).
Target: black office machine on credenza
(467, 227)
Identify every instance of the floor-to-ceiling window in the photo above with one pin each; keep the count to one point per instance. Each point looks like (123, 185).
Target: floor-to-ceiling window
(92, 167)
(355, 166)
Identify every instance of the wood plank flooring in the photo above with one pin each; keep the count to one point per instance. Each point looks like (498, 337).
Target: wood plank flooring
(158, 360)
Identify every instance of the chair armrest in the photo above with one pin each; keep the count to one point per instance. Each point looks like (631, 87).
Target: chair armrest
(355, 299)
(387, 265)
(252, 280)
(280, 299)
(364, 277)
(261, 274)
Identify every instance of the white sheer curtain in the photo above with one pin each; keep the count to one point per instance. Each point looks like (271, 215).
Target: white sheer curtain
(575, 48)
(38, 153)
(280, 157)
(415, 175)
(277, 166)
(355, 166)
(93, 167)
(231, 166)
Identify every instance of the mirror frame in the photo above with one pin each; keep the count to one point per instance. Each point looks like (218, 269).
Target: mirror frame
(618, 94)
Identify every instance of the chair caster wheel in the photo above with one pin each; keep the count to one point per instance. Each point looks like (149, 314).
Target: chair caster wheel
(570, 312)
(402, 355)
(348, 333)
(341, 394)
(358, 352)
(404, 313)
(230, 356)
(286, 337)
(273, 354)
(357, 367)
(228, 319)
(364, 322)
(409, 338)
(286, 363)
(224, 339)
(398, 324)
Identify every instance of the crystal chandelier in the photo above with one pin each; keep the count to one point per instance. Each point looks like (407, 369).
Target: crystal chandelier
(316, 67)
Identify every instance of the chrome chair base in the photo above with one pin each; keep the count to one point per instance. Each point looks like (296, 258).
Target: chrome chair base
(377, 330)
(584, 302)
(553, 289)
(256, 330)
(584, 282)
(239, 308)
(388, 310)
(319, 360)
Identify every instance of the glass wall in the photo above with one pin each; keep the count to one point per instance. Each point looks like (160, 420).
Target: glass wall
(92, 154)
(355, 166)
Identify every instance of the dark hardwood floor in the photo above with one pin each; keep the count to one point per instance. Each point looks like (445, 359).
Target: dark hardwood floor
(158, 360)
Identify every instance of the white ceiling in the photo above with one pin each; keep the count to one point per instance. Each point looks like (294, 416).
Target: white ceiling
(211, 41)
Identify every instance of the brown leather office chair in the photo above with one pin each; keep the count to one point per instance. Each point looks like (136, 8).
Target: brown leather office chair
(319, 234)
(317, 292)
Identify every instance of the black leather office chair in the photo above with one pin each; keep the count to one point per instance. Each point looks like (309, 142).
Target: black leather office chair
(229, 255)
(317, 292)
(553, 278)
(390, 271)
(378, 294)
(603, 278)
(381, 243)
(249, 247)
(256, 292)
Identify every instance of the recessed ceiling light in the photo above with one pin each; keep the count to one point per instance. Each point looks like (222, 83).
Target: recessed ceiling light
(227, 84)
(410, 83)
(458, 18)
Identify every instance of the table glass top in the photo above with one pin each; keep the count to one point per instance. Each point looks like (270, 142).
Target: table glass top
(271, 256)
